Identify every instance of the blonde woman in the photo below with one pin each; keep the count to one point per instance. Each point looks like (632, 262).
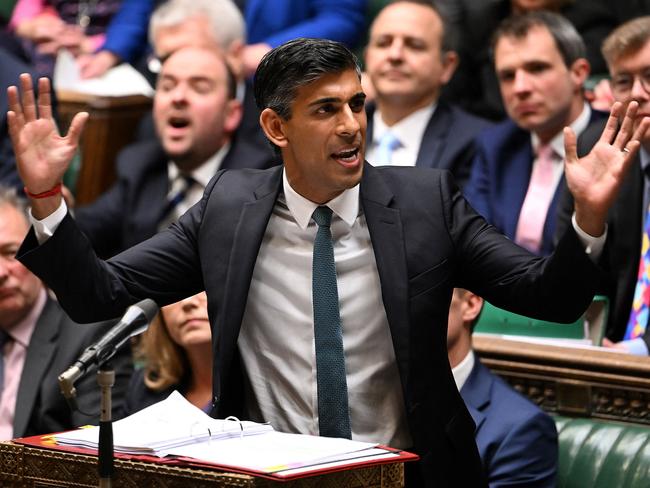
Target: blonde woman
(177, 354)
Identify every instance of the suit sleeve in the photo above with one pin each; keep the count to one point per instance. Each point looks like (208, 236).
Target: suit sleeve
(558, 288)
(165, 268)
(477, 188)
(527, 457)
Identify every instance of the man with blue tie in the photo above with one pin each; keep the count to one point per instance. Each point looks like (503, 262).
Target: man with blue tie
(401, 239)
(517, 176)
(409, 58)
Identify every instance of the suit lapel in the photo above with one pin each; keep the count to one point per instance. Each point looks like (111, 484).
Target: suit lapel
(387, 236)
(435, 132)
(476, 392)
(250, 230)
(40, 352)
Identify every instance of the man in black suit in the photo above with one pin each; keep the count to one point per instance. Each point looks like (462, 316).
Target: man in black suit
(39, 341)
(196, 118)
(409, 59)
(627, 52)
(401, 239)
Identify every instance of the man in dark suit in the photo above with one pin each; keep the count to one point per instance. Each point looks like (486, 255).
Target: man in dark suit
(517, 441)
(385, 264)
(408, 59)
(196, 118)
(517, 175)
(38, 342)
(627, 51)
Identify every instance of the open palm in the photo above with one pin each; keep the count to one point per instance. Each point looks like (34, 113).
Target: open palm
(42, 155)
(595, 179)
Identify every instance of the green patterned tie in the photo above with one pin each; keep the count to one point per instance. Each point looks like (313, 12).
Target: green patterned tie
(333, 412)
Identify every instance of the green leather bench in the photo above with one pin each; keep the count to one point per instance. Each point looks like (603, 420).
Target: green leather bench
(602, 454)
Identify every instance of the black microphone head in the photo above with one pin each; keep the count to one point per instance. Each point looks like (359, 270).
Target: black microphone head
(148, 307)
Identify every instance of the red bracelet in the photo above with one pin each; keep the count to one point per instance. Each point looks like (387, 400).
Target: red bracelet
(49, 193)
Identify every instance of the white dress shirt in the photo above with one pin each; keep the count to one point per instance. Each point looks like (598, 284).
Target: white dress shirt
(409, 131)
(277, 335)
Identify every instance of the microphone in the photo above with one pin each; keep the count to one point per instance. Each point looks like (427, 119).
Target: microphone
(134, 321)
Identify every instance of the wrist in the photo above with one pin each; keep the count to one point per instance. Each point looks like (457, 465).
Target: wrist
(55, 190)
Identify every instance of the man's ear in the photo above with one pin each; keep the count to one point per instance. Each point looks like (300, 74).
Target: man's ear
(235, 58)
(450, 62)
(471, 307)
(273, 126)
(580, 70)
(234, 113)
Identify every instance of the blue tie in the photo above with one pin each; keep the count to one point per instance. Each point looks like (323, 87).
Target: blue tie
(4, 337)
(387, 144)
(333, 413)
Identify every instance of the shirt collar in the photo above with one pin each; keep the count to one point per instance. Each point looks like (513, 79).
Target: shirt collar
(204, 173)
(578, 125)
(346, 205)
(22, 331)
(463, 369)
(409, 130)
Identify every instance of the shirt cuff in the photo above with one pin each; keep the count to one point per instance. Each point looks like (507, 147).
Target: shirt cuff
(637, 346)
(593, 245)
(45, 228)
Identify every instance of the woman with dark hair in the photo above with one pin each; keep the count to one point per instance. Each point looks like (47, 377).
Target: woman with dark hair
(177, 354)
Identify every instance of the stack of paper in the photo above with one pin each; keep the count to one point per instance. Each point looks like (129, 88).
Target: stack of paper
(165, 425)
(176, 428)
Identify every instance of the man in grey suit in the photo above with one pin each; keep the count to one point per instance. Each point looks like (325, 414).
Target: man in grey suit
(394, 241)
(39, 341)
(409, 59)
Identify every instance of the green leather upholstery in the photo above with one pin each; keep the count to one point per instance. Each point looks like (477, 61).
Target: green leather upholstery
(602, 454)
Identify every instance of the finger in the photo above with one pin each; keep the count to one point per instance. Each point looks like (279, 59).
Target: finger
(642, 129)
(611, 128)
(14, 105)
(570, 145)
(76, 128)
(15, 126)
(29, 106)
(44, 98)
(625, 131)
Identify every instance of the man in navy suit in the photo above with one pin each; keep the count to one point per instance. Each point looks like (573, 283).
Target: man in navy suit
(196, 118)
(517, 175)
(408, 59)
(517, 441)
(401, 240)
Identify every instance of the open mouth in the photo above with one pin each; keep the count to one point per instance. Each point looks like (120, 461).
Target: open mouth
(179, 122)
(347, 155)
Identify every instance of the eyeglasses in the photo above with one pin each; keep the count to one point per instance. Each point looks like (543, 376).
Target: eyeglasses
(624, 82)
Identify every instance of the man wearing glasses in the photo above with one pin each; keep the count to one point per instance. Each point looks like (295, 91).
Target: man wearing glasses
(626, 256)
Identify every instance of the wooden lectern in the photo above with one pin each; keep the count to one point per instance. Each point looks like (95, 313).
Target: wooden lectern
(32, 467)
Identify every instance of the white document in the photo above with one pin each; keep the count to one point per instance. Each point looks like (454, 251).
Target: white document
(164, 425)
(119, 81)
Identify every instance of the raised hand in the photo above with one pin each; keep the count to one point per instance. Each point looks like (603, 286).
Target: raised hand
(595, 179)
(42, 155)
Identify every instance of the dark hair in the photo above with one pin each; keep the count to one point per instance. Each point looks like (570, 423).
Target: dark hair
(294, 64)
(565, 35)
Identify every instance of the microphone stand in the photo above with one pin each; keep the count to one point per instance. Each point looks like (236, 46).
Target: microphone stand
(105, 380)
